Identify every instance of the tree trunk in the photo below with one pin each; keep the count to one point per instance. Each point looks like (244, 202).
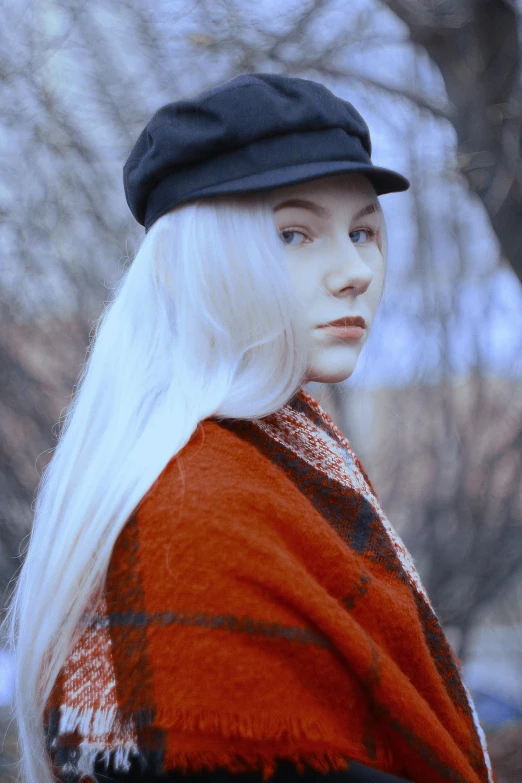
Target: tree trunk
(475, 44)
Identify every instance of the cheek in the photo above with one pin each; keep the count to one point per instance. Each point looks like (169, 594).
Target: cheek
(375, 256)
(303, 282)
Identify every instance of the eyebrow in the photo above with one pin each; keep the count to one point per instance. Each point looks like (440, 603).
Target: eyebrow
(323, 212)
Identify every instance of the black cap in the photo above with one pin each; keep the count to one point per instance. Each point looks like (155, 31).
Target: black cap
(255, 132)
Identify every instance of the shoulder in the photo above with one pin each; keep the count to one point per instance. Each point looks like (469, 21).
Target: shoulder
(218, 472)
(217, 454)
(218, 507)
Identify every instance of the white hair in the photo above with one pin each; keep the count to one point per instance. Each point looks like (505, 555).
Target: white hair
(203, 323)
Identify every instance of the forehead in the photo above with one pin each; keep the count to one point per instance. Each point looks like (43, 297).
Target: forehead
(354, 188)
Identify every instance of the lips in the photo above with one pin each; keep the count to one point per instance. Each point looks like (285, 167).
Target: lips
(351, 320)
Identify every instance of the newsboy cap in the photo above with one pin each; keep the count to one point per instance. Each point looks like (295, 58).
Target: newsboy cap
(255, 132)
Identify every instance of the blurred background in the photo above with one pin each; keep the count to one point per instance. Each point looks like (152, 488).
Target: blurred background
(434, 408)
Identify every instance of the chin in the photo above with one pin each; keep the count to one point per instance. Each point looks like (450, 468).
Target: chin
(325, 374)
(332, 362)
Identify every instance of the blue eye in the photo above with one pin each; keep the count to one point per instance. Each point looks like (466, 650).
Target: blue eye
(288, 235)
(367, 233)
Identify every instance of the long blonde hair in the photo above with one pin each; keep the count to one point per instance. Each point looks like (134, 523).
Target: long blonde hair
(203, 323)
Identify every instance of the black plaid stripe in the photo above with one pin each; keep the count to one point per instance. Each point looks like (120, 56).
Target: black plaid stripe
(428, 754)
(346, 510)
(220, 622)
(442, 656)
(359, 589)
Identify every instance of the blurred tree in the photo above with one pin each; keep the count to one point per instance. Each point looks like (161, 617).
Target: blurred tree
(476, 45)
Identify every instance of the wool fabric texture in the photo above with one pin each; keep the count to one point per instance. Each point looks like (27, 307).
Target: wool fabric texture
(258, 606)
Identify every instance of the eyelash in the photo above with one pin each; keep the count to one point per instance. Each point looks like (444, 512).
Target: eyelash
(372, 233)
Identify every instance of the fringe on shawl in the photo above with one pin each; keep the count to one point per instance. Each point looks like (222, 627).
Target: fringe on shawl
(88, 722)
(257, 727)
(322, 761)
(120, 759)
(263, 728)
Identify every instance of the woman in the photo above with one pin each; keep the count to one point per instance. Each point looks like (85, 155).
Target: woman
(212, 590)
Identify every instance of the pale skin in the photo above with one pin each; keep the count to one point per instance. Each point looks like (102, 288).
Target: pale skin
(336, 263)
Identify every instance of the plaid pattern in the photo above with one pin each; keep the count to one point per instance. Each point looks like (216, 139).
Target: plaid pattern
(259, 606)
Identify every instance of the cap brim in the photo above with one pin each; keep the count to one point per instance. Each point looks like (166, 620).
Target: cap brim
(383, 180)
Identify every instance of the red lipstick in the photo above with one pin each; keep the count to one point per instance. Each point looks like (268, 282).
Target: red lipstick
(347, 328)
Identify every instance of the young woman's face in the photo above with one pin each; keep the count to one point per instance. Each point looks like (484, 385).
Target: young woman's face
(331, 228)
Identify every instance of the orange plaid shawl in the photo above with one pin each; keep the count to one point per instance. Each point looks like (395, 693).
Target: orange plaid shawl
(259, 606)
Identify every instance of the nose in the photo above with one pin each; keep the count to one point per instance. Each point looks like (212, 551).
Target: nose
(346, 269)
